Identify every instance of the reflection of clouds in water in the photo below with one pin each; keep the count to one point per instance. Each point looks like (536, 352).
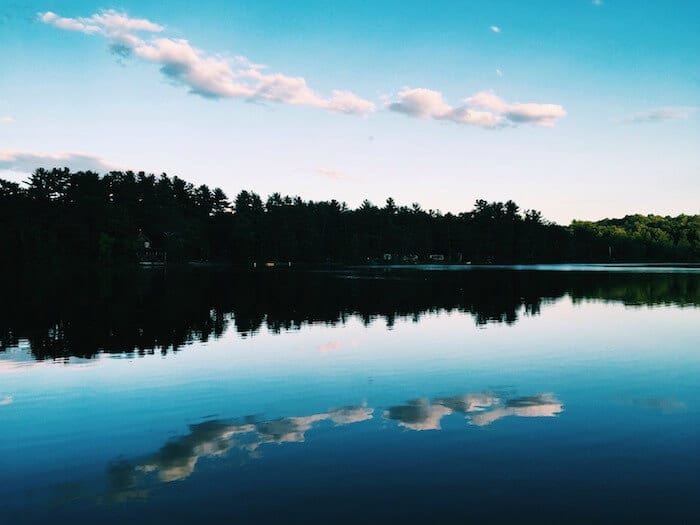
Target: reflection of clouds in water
(335, 345)
(480, 408)
(348, 415)
(14, 359)
(292, 429)
(286, 429)
(7, 400)
(468, 403)
(666, 405)
(418, 414)
(177, 459)
(123, 480)
(330, 346)
(540, 405)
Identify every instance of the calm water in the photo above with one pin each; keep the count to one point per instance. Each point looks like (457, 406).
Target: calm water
(375, 396)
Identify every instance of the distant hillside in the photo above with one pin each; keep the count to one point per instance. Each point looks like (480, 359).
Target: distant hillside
(641, 237)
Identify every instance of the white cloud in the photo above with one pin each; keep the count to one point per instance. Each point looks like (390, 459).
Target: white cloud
(483, 109)
(539, 114)
(112, 21)
(499, 72)
(349, 103)
(7, 400)
(661, 114)
(210, 76)
(27, 162)
(420, 102)
(108, 22)
(70, 24)
(217, 76)
(597, 2)
(7, 120)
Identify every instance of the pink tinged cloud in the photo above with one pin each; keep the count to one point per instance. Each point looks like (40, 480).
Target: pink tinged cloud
(27, 161)
(332, 174)
(484, 109)
(107, 22)
(210, 76)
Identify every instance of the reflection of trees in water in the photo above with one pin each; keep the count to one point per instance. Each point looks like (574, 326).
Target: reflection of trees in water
(144, 312)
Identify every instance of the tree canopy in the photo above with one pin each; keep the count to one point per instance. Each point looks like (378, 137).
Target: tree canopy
(60, 217)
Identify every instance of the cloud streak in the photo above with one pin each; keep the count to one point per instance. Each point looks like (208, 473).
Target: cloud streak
(206, 75)
(7, 120)
(661, 114)
(27, 162)
(483, 109)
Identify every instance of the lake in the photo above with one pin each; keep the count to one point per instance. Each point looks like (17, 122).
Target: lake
(370, 395)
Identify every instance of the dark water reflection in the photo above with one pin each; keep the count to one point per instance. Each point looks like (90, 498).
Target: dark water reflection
(148, 311)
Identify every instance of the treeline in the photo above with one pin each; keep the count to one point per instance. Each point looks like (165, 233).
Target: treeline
(60, 217)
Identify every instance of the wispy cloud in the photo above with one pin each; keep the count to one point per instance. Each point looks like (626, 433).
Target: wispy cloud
(499, 72)
(26, 161)
(660, 114)
(484, 109)
(7, 400)
(208, 75)
(495, 29)
(333, 174)
(7, 120)
(597, 2)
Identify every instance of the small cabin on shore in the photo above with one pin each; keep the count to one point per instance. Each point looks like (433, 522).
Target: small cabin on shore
(146, 253)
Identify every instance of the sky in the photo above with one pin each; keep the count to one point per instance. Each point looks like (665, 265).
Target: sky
(582, 109)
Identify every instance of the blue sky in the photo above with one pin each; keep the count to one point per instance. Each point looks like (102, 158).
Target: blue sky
(580, 109)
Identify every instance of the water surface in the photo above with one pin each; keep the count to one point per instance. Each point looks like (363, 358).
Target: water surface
(377, 395)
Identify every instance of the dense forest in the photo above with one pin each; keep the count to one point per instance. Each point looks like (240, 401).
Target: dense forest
(58, 217)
